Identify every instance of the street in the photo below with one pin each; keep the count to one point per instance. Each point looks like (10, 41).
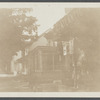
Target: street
(13, 84)
(20, 84)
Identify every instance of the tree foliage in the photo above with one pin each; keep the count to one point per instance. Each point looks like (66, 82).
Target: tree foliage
(14, 23)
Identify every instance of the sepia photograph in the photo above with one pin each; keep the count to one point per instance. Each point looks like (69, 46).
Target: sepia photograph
(49, 47)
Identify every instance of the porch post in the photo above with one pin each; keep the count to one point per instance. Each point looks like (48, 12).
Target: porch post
(53, 62)
(40, 60)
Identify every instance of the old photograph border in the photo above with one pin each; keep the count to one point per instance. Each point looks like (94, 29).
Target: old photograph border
(52, 94)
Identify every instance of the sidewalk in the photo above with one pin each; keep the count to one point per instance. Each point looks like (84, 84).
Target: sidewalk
(7, 75)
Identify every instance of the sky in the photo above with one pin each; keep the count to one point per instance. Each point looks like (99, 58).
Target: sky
(47, 16)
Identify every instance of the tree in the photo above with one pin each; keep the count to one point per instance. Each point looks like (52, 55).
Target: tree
(14, 23)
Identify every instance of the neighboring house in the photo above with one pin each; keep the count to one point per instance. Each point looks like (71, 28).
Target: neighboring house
(15, 66)
(19, 63)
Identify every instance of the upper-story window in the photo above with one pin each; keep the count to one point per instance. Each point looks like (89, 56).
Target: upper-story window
(55, 43)
(26, 52)
(50, 43)
(67, 47)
